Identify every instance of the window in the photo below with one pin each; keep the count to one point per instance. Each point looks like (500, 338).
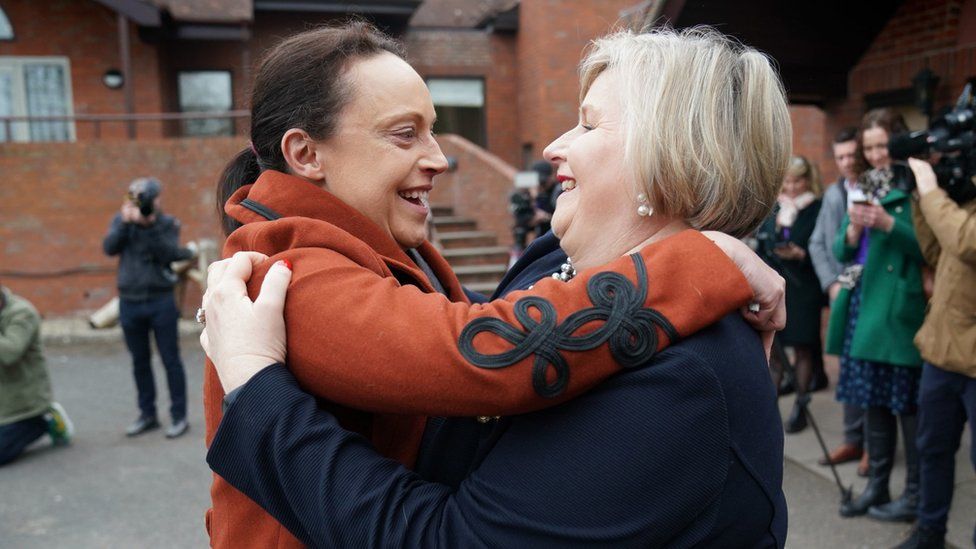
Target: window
(36, 87)
(460, 104)
(6, 30)
(206, 91)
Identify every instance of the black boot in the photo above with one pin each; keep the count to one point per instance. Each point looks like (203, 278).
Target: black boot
(882, 432)
(904, 508)
(923, 538)
(797, 420)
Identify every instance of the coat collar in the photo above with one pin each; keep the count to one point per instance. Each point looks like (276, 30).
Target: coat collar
(290, 196)
(894, 195)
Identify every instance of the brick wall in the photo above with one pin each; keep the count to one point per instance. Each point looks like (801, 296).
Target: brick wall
(478, 54)
(811, 140)
(87, 34)
(57, 199)
(479, 189)
(551, 38)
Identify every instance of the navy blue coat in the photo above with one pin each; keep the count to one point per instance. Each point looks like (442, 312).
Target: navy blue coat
(686, 450)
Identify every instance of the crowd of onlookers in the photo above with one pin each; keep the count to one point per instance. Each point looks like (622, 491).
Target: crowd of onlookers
(897, 267)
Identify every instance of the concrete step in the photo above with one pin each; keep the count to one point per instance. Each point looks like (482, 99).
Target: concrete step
(466, 239)
(453, 224)
(486, 288)
(469, 274)
(441, 210)
(479, 255)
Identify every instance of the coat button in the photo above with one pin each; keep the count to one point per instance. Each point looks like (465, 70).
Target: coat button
(891, 269)
(898, 209)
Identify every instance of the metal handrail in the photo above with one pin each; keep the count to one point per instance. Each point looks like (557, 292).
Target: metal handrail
(98, 119)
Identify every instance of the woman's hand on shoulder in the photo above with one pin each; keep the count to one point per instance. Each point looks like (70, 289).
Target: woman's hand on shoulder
(242, 337)
(768, 287)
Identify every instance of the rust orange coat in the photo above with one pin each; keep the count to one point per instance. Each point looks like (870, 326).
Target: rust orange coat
(384, 354)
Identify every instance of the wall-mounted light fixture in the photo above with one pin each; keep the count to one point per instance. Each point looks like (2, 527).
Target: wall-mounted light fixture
(113, 79)
(923, 86)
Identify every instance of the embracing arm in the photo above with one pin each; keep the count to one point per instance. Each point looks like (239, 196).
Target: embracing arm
(653, 464)
(360, 339)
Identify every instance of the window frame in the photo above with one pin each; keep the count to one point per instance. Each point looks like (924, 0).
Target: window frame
(484, 98)
(13, 34)
(179, 101)
(19, 100)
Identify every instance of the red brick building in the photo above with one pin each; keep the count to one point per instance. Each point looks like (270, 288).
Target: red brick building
(83, 83)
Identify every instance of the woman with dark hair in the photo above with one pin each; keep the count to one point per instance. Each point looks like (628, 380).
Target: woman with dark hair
(875, 317)
(675, 446)
(784, 240)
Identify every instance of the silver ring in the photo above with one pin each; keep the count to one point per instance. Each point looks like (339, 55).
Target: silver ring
(753, 308)
(201, 316)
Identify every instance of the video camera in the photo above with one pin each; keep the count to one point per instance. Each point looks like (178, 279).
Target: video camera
(143, 193)
(950, 134)
(523, 211)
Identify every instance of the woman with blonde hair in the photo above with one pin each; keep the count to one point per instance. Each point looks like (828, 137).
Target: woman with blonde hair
(677, 131)
(784, 241)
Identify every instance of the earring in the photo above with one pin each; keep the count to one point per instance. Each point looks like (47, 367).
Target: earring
(643, 209)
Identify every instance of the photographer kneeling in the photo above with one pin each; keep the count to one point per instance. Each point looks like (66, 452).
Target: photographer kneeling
(946, 232)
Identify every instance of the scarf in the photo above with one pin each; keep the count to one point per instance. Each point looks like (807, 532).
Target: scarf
(789, 208)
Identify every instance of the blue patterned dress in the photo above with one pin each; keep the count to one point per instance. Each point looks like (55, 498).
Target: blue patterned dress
(874, 384)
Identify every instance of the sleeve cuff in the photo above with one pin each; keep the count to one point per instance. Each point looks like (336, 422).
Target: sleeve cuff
(260, 399)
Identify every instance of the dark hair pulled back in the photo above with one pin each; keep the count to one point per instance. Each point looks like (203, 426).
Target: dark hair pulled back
(889, 120)
(298, 84)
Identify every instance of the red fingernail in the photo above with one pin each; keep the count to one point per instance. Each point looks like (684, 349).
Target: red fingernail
(285, 263)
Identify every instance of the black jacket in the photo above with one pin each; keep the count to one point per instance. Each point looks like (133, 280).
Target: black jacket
(686, 450)
(145, 254)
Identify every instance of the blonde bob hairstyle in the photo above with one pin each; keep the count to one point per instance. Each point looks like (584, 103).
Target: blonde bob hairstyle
(707, 128)
(804, 169)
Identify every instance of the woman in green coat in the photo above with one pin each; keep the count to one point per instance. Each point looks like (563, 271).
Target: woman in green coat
(875, 318)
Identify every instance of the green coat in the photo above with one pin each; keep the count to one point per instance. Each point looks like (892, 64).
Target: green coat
(25, 390)
(892, 300)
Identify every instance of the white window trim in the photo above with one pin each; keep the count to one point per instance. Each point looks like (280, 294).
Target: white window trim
(16, 64)
(13, 33)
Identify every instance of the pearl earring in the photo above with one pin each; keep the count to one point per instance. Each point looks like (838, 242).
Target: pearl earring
(643, 209)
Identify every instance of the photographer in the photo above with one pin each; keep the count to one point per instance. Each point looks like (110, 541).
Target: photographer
(532, 210)
(147, 241)
(947, 341)
(26, 410)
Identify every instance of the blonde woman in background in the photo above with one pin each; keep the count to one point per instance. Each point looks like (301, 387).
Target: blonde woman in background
(784, 240)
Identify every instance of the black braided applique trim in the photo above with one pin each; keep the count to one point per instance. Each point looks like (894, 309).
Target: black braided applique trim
(628, 326)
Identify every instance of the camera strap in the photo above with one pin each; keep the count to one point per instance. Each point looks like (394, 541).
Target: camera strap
(260, 209)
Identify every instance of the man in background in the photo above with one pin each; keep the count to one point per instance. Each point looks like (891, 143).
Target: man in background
(828, 268)
(26, 409)
(147, 241)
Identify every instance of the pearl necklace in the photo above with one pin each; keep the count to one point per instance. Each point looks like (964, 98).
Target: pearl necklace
(566, 271)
